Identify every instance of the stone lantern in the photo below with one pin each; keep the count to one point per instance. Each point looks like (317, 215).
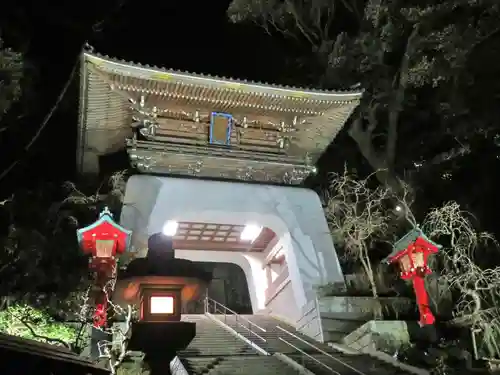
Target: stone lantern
(159, 285)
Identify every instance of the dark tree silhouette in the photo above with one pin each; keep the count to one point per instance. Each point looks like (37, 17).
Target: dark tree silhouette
(411, 57)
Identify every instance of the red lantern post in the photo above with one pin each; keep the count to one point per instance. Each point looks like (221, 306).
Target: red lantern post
(103, 241)
(411, 252)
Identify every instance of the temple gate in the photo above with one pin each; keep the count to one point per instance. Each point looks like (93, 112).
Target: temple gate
(220, 165)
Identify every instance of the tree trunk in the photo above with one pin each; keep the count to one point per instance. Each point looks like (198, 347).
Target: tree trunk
(383, 165)
(365, 262)
(371, 279)
(383, 172)
(377, 307)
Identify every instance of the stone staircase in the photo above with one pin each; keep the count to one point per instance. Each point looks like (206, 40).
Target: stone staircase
(239, 365)
(212, 340)
(215, 351)
(320, 359)
(321, 364)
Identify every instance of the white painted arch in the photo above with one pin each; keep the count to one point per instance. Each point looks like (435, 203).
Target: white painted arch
(294, 214)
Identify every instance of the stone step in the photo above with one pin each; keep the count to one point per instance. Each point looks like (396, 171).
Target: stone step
(240, 365)
(199, 365)
(213, 340)
(215, 352)
(214, 349)
(356, 365)
(193, 317)
(272, 336)
(343, 363)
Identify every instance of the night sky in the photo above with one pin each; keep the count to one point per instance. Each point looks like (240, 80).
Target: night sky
(178, 35)
(175, 35)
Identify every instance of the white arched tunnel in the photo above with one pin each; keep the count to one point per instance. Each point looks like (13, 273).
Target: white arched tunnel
(294, 214)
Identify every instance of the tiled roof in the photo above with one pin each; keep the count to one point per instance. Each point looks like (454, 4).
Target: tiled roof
(119, 66)
(14, 344)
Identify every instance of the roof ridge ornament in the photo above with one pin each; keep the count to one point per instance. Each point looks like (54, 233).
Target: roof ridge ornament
(87, 47)
(106, 212)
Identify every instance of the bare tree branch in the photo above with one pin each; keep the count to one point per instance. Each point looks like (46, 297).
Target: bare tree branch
(359, 216)
(5, 201)
(478, 287)
(116, 351)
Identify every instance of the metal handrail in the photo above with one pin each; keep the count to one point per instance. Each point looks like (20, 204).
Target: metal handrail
(318, 315)
(235, 313)
(226, 309)
(317, 349)
(309, 356)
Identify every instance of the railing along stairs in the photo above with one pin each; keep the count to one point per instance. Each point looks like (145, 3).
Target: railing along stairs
(216, 308)
(318, 350)
(213, 308)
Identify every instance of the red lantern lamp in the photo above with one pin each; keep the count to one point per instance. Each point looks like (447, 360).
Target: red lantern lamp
(103, 240)
(411, 252)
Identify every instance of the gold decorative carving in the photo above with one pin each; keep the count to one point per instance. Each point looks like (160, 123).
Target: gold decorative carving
(195, 168)
(263, 134)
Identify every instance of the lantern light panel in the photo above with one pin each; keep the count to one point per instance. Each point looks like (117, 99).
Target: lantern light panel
(161, 304)
(104, 248)
(414, 260)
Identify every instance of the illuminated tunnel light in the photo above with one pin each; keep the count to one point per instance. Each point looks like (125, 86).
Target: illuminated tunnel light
(170, 228)
(250, 232)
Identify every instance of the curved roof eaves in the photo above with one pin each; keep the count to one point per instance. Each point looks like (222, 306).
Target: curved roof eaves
(342, 95)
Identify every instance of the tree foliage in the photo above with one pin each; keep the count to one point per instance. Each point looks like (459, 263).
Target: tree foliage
(412, 58)
(28, 322)
(45, 275)
(11, 74)
(40, 261)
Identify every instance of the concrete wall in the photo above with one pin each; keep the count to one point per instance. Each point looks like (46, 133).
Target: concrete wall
(386, 336)
(310, 322)
(283, 305)
(342, 315)
(294, 214)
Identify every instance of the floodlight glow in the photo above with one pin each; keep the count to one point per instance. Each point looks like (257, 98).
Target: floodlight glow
(250, 232)
(170, 228)
(399, 208)
(162, 305)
